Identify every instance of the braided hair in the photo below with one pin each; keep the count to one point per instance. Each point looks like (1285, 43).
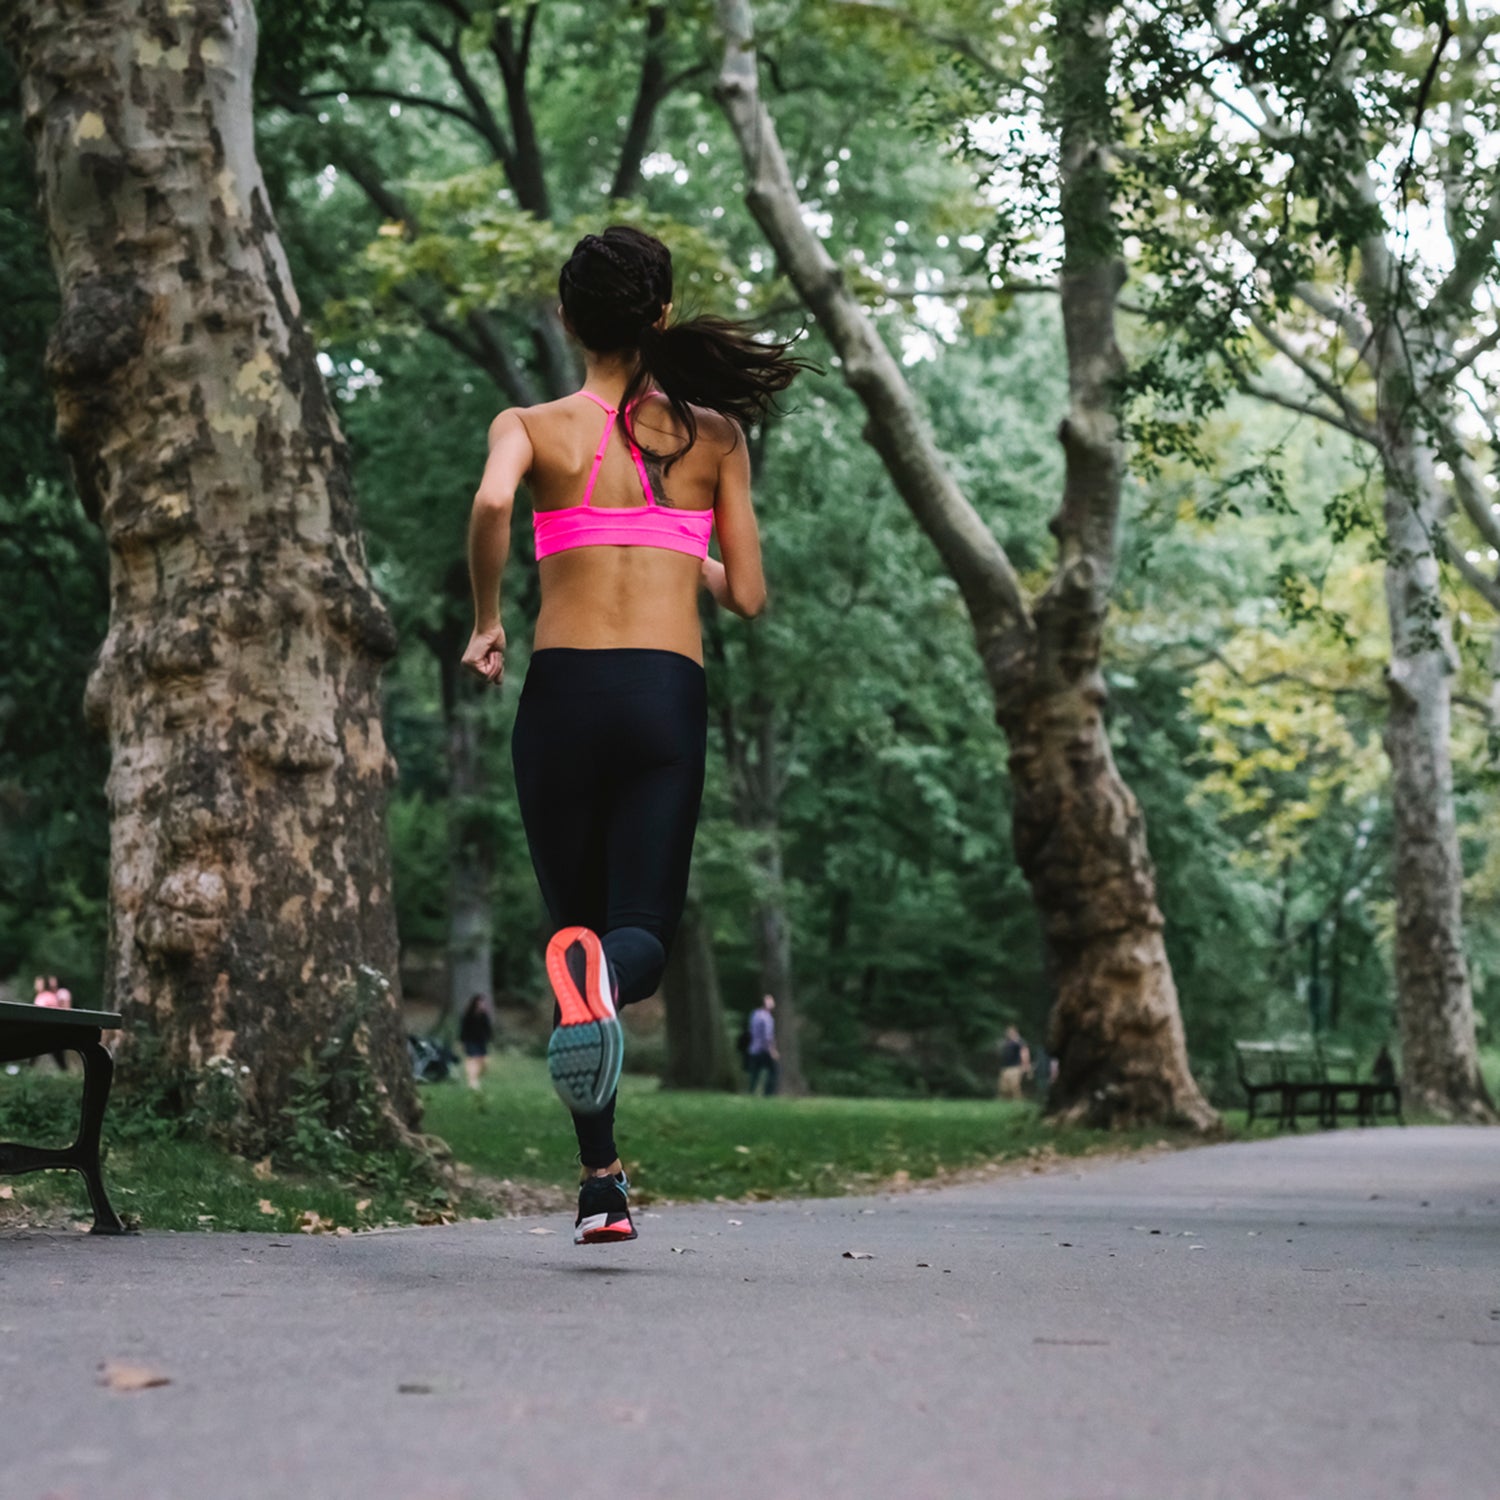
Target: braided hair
(615, 287)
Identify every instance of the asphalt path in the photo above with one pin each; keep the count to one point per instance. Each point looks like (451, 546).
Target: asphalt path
(1306, 1318)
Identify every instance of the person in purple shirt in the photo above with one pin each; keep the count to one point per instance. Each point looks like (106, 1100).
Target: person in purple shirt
(762, 1060)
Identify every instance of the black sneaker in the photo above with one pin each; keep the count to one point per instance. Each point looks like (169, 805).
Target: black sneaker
(603, 1211)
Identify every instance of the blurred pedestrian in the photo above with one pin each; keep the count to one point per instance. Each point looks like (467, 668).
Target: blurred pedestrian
(475, 1032)
(1015, 1064)
(51, 996)
(762, 1059)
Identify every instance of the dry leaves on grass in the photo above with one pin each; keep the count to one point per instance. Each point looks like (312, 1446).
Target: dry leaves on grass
(261, 1171)
(267, 1207)
(121, 1375)
(7, 1192)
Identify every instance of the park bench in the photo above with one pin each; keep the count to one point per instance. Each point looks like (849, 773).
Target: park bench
(1309, 1080)
(28, 1031)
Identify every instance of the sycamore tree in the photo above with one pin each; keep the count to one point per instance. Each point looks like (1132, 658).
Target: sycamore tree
(1078, 830)
(1315, 181)
(251, 927)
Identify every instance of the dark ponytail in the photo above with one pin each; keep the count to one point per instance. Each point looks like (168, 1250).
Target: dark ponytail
(614, 288)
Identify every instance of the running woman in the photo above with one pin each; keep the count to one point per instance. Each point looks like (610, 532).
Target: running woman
(628, 478)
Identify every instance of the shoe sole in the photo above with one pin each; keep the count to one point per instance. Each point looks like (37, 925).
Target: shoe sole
(587, 1047)
(590, 1232)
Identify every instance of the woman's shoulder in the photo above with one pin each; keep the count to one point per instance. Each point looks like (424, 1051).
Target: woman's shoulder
(715, 431)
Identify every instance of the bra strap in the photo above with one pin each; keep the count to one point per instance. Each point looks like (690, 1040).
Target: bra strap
(609, 422)
(640, 462)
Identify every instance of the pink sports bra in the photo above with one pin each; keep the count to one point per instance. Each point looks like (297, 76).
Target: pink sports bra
(648, 525)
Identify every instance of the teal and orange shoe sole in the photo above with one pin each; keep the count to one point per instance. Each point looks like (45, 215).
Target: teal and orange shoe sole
(587, 1045)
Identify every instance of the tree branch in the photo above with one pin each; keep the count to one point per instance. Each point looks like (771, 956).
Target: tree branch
(648, 96)
(420, 101)
(1356, 419)
(954, 41)
(528, 176)
(1305, 408)
(1486, 587)
(489, 126)
(897, 429)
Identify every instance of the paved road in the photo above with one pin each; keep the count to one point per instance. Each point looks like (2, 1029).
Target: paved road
(1301, 1319)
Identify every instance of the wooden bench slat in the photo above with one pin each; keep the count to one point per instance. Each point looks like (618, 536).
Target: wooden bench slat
(46, 1015)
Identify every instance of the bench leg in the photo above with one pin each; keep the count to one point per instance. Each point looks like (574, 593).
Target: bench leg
(98, 1073)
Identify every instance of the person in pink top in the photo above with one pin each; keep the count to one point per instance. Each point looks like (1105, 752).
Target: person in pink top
(48, 993)
(629, 477)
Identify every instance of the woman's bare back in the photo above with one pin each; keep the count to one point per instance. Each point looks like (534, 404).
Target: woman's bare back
(601, 598)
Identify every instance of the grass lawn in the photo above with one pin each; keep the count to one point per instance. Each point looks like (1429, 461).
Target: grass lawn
(174, 1183)
(676, 1146)
(694, 1146)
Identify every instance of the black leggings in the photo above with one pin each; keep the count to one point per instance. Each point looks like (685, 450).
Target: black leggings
(608, 751)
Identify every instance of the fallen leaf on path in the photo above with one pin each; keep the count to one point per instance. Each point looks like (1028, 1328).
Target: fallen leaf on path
(858, 1255)
(413, 1388)
(540, 1230)
(924, 1265)
(118, 1375)
(682, 1250)
(736, 1222)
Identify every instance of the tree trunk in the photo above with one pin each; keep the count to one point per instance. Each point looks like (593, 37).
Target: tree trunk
(1434, 1001)
(1439, 1052)
(699, 1055)
(1079, 831)
(471, 840)
(773, 946)
(751, 735)
(1116, 1028)
(251, 915)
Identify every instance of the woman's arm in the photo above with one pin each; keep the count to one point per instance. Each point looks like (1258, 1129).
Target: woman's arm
(738, 583)
(489, 541)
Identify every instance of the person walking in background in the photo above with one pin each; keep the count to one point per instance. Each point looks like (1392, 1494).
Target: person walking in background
(51, 995)
(1015, 1064)
(629, 477)
(762, 1060)
(475, 1033)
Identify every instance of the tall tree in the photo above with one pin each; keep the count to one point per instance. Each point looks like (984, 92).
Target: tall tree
(251, 915)
(1381, 327)
(1078, 830)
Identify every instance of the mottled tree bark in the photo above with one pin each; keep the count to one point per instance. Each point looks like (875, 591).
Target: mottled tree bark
(1435, 1011)
(251, 906)
(698, 1052)
(1079, 832)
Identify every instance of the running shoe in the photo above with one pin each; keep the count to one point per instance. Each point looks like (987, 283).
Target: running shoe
(587, 1045)
(603, 1211)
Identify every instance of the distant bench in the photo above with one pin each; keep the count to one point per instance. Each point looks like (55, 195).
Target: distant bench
(28, 1031)
(1310, 1081)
